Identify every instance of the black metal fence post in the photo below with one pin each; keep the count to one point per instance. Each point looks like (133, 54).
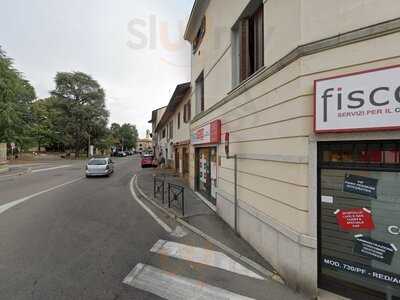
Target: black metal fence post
(169, 195)
(176, 197)
(154, 187)
(163, 193)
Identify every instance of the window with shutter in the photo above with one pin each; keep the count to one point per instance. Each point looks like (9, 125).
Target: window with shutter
(248, 42)
(200, 93)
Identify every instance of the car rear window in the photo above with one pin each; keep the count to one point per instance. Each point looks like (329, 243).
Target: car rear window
(97, 162)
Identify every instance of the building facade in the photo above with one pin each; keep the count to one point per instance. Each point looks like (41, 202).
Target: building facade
(307, 91)
(156, 116)
(173, 130)
(144, 145)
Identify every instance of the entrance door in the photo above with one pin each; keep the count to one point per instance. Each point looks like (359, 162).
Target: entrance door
(206, 172)
(359, 219)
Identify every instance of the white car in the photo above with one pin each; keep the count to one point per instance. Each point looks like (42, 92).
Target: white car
(103, 166)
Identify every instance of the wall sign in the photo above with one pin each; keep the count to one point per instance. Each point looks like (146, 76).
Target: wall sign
(360, 185)
(362, 101)
(354, 219)
(360, 269)
(207, 134)
(374, 249)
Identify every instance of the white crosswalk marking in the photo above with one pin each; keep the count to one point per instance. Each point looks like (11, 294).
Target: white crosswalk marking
(175, 287)
(202, 256)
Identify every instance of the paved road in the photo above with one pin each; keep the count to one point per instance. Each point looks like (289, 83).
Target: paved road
(63, 236)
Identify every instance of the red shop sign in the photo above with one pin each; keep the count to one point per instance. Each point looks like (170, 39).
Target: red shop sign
(207, 134)
(353, 219)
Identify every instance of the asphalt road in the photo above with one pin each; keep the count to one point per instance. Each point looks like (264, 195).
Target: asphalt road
(75, 242)
(64, 236)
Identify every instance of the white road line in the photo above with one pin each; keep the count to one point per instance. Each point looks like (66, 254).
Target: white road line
(149, 211)
(174, 287)
(50, 169)
(202, 256)
(11, 204)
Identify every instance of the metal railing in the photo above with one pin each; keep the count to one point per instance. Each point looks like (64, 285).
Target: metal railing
(158, 188)
(176, 197)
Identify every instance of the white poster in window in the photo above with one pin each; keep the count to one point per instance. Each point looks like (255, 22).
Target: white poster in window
(327, 199)
(213, 170)
(203, 169)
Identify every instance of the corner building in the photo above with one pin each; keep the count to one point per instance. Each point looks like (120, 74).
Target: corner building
(318, 173)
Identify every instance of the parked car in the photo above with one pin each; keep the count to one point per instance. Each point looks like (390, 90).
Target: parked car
(99, 166)
(121, 154)
(147, 161)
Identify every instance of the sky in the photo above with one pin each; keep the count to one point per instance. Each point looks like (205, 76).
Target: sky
(133, 48)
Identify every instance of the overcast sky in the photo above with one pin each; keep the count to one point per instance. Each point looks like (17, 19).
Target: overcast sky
(133, 48)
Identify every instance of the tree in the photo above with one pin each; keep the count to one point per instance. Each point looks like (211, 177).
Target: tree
(16, 96)
(128, 135)
(82, 102)
(46, 128)
(124, 136)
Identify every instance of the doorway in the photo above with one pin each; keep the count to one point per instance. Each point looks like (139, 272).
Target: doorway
(358, 218)
(206, 168)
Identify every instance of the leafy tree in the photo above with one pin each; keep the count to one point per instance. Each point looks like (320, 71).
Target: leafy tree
(128, 135)
(46, 128)
(82, 102)
(16, 96)
(124, 136)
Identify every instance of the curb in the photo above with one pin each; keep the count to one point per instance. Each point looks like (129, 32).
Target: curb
(268, 274)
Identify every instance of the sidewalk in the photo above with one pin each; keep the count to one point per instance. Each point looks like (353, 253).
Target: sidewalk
(199, 215)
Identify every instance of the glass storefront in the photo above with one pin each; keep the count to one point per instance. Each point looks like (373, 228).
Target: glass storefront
(359, 219)
(206, 172)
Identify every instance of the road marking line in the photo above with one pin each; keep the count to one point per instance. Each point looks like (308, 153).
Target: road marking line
(50, 169)
(149, 211)
(202, 256)
(11, 204)
(175, 287)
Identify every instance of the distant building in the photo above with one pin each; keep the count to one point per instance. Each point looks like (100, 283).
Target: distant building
(173, 130)
(156, 116)
(144, 145)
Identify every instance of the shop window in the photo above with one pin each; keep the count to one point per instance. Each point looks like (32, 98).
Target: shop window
(248, 42)
(200, 93)
(362, 153)
(358, 216)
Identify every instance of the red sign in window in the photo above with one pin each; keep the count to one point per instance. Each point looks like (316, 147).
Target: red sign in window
(355, 219)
